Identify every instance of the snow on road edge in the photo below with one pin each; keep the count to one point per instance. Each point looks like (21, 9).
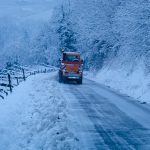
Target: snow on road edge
(135, 84)
(35, 117)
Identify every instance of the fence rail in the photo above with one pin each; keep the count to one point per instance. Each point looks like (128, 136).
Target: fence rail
(13, 77)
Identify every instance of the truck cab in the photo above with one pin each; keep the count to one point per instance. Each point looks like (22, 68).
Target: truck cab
(71, 67)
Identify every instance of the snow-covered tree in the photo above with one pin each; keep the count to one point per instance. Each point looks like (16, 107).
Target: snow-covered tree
(67, 37)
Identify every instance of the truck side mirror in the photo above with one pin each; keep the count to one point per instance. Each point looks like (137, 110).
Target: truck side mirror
(82, 61)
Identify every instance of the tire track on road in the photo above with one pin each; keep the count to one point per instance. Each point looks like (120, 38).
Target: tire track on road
(99, 110)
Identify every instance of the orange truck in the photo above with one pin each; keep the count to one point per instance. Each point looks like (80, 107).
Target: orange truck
(71, 67)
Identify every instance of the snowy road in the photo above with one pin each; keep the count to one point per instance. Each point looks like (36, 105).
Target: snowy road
(107, 120)
(42, 114)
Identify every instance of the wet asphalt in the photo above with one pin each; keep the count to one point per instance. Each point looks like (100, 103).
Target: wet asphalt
(111, 128)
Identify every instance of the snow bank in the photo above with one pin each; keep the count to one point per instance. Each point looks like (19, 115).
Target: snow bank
(35, 117)
(134, 84)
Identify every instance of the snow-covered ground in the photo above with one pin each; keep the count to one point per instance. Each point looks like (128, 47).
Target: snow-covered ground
(34, 117)
(42, 114)
(114, 41)
(135, 84)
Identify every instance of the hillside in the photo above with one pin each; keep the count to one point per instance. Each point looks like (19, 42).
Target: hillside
(54, 100)
(21, 22)
(113, 37)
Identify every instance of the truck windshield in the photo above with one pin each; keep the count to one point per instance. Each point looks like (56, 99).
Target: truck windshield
(71, 58)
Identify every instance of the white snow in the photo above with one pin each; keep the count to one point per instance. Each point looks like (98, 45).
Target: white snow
(42, 114)
(134, 84)
(35, 117)
(114, 40)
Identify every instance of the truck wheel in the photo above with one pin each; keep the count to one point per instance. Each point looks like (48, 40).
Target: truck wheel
(64, 80)
(60, 78)
(79, 81)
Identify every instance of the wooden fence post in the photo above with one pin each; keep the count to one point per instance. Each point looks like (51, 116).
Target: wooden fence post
(24, 78)
(9, 80)
(17, 80)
